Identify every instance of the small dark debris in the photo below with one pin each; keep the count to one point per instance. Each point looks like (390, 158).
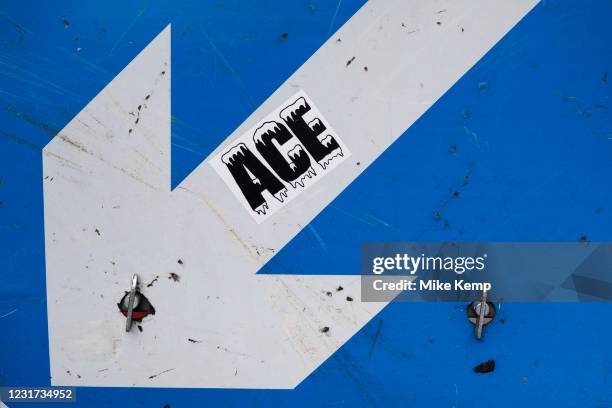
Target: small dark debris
(437, 215)
(339, 288)
(584, 238)
(483, 85)
(163, 72)
(328, 293)
(284, 36)
(324, 329)
(349, 62)
(502, 320)
(403, 25)
(153, 281)
(158, 374)
(359, 163)
(136, 121)
(130, 131)
(455, 194)
(147, 97)
(180, 261)
(446, 224)
(365, 69)
(462, 29)
(486, 367)
(175, 277)
(439, 23)
(167, 406)
(66, 22)
(97, 231)
(193, 341)
(452, 149)
(349, 299)
(139, 328)
(339, 40)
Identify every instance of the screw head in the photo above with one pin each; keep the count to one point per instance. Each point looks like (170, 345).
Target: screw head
(474, 309)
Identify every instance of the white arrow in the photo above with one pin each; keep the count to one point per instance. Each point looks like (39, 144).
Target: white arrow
(109, 211)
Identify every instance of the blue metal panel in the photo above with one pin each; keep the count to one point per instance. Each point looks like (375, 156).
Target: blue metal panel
(529, 126)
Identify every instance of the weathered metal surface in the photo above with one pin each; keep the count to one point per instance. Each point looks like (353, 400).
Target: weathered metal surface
(524, 138)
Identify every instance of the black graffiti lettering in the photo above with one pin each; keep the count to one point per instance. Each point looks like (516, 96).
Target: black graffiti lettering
(299, 162)
(322, 150)
(253, 177)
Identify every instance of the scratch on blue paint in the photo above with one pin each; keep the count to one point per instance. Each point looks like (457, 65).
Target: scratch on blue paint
(317, 236)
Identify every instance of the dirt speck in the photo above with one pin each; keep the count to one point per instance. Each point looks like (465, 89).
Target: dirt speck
(324, 329)
(193, 341)
(486, 367)
(439, 23)
(584, 238)
(452, 149)
(284, 36)
(153, 281)
(349, 299)
(174, 276)
(339, 288)
(455, 194)
(65, 22)
(365, 69)
(328, 293)
(349, 62)
(180, 262)
(97, 231)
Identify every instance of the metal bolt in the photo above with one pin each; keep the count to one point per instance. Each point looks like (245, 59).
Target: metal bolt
(481, 312)
(130, 305)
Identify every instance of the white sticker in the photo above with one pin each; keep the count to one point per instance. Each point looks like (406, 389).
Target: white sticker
(283, 155)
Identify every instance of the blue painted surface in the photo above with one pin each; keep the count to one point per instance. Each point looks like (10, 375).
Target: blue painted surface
(530, 125)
